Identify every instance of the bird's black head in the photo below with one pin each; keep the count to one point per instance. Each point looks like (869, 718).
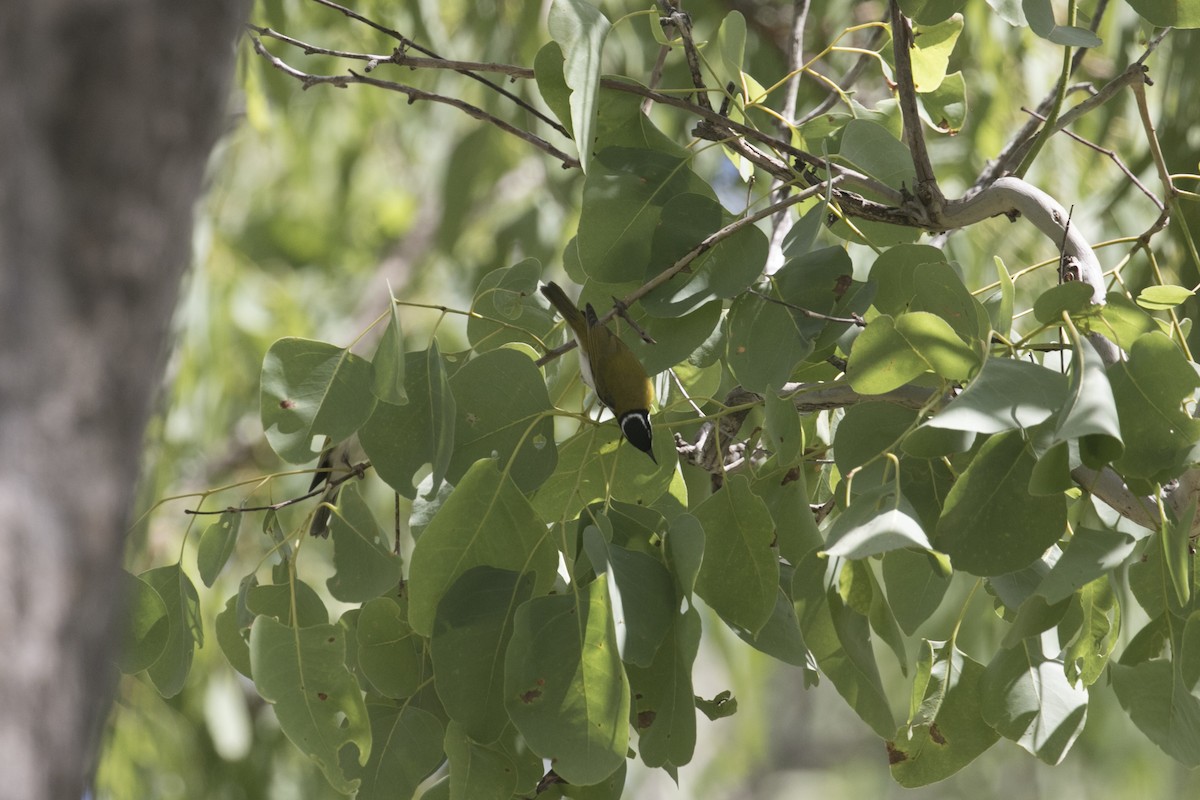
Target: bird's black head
(636, 427)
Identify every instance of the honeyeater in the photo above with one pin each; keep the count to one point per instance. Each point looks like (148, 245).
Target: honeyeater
(610, 368)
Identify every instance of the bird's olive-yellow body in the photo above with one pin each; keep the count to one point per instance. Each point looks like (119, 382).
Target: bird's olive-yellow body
(610, 368)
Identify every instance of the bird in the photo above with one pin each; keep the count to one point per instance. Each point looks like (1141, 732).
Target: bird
(610, 368)
(336, 460)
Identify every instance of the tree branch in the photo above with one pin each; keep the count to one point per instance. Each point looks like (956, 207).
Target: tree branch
(927, 189)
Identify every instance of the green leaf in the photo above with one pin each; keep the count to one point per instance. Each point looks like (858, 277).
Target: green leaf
(1006, 394)
(764, 343)
(477, 771)
(364, 564)
(915, 587)
(1087, 655)
(724, 270)
(302, 672)
(946, 106)
(548, 72)
(623, 197)
(723, 705)
(928, 441)
(1150, 389)
(596, 464)
(865, 434)
(876, 521)
(233, 623)
(664, 711)
(169, 672)
(894, 270)
(1169, 13)
(216, 546)
(580, 30)
(1163, 298)
(1161, 706)
(891, 352)
(932, 45)
(502, 409)
(565, 687)
(1040, 15)
(840, 641)
(781, 638)
(1089, 413)
(999, 304)
(991, 524)
(685, 551)
(471, 632)
(1090, 554)
(1177, 552)
(1073, 298)
(390, 655)
(389, 361)
(785, 492)
(406, 749)
(441, 435)
(646, 595)
(822, 281)
(148, 627)
(399, 440)
(938, 289)
(731, 47)
(486, 521)
(930, 12)
(1123, 321)
(740, 572)
(505, 309)
(310, 390)
(949, 731)
(873, 149)
(677, 337)
(782, 427)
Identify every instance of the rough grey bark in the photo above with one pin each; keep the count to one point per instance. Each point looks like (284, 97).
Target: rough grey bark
(108, 112)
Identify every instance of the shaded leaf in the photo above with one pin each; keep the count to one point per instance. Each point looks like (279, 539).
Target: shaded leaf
(740, 572)
(302, 673)
(365, 566)
(991, 524)
(486, 521)
(471, 632)
(565, 687)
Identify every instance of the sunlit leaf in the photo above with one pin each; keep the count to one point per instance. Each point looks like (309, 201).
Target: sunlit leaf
(580, 30)
(949, 731)
(310, 390)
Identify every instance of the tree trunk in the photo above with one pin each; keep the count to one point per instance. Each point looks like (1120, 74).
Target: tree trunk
(108, 112)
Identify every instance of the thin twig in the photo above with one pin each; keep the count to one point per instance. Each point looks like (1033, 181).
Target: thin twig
(848, 79)
(409, 44)
(1015, 150)
(670, 272)
(855, 320)
(413, 94)
(1111, 154)
(356, 471)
